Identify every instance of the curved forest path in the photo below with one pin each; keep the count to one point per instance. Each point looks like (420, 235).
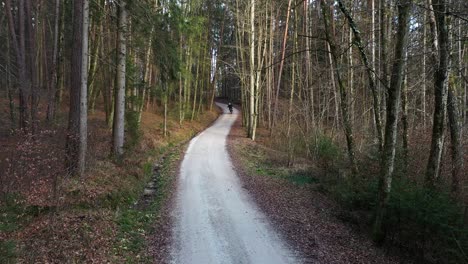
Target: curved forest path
(216, 220)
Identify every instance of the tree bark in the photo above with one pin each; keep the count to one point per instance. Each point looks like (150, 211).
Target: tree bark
(441, 47)
(53, 69)
(119, 113)
(370, 69)
(84, 92)
(77, 123)
(31, 64)
(343, 93)
(283, 54)
(456, 144)
(393, 108)
(17, 41)
(252, 72)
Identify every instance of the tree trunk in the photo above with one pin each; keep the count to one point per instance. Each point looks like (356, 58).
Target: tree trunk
(383, 58)
(424, 77)
(146, 77)
(94, 58)
(51, 104)
(17, 41)
(343, 93)
(283, 54)
(456, 144)
(393, 108)
(8, 86)
(119, 113)
(84, 92)
(252, 72)
(370, 69)
(31, 64)
(404, 118)
(77, 123)
(441, 47)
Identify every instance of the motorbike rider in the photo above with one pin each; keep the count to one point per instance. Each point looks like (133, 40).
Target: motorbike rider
(230, 107)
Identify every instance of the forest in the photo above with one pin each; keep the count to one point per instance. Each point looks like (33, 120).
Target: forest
(93, 93)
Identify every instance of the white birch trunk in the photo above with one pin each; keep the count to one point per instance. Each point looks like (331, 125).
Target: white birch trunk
(119, 113)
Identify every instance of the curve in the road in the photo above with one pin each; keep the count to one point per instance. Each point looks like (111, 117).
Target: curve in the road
(216, 220)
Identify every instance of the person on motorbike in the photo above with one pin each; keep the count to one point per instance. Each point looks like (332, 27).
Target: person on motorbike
(230, 107)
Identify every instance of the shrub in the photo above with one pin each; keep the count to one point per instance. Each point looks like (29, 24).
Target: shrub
(428, 222)
(326, 150)
(356, 192)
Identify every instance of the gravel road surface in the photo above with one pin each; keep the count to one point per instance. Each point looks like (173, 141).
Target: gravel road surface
(216, 220)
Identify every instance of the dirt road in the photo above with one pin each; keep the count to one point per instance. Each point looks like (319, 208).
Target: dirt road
(216, 220)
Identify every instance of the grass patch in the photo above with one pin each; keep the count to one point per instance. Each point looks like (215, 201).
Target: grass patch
(135, 224)
(7, 252)
(258, 163)
(14, 213)
(302, 178)
(10, 210)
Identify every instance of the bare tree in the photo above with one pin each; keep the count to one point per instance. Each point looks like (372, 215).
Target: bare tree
(391, 131)
(370, 69)
(343, 93)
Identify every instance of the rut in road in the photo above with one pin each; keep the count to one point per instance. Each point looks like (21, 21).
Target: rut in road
(216, 220)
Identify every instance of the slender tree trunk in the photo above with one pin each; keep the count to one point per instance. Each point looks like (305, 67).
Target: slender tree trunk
(456, 145)
(194, 107)
(343, 93)
(146, 77)
(383, 58)
(252, 71)
(283, 55)
(334, 88)
(8, 85)
(119, 114)
(31, 64)
(17, 41)
(441, 47)
(165, 111)
(393, 108)
(308, 62)
(84, 92)
(424, 76)
(94, 58)
(404, 117)
(53, 69)
(291, 100)
(369, 70)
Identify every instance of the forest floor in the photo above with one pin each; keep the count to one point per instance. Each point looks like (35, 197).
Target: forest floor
(298, 206)
(49, 217)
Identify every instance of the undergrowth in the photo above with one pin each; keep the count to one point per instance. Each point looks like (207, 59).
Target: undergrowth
(7, 251)
(135, 223)
(424, 224)
(93, 219)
